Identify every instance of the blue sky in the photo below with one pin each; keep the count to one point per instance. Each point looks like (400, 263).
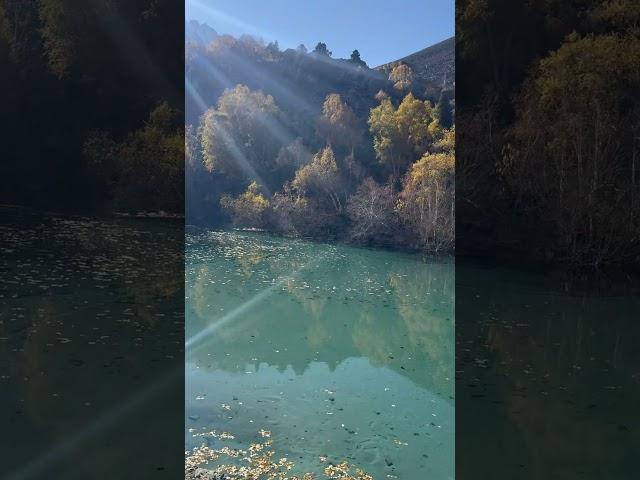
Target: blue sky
(381, 30)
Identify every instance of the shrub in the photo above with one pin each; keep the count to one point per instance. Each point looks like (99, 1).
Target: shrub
(371, 212)
(248, 209)
(427, 201)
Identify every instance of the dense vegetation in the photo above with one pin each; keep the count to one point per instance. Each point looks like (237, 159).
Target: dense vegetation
(91, 96)
(549, 116)
(302, 144)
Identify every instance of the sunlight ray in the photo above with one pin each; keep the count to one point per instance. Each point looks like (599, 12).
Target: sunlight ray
(289, 91)
(215, 73)
(225, 18)
(192, 342)
(193, 93)
(237, 154)
(276, 129)
(242, 160)
(132, 48)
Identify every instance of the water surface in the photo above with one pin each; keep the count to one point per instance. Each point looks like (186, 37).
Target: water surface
(338, 351)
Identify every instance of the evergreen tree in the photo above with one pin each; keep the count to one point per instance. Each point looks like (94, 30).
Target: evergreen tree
(321, 49)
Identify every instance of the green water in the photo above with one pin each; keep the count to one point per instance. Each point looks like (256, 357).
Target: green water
(301, 339)
(338, 351)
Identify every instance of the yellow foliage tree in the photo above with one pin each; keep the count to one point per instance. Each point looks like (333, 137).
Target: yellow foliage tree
(237, 136)
(404, 133)
(427, 201)
(248, 209)
(147, 167)
(574, 151)
(321, 178)
(401, 76)
(338, 124)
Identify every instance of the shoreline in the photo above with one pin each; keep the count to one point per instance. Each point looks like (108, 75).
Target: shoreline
(398, 248)
(96, 214)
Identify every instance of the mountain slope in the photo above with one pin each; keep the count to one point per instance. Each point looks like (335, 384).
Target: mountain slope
(434, 64)
(197, 32)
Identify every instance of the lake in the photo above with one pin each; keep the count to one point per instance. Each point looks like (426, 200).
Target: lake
(340, 352)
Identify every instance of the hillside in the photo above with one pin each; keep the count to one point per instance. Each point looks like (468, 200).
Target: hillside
(300, 80)
(197, 32)
(434, 64)
(299, 143)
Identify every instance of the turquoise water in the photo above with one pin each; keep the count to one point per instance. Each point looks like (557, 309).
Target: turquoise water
(340, 352)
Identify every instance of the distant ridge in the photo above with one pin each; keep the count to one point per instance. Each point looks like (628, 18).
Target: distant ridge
(197, 32)
(434, 64)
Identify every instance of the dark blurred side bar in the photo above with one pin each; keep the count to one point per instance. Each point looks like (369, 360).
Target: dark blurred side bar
(91, 239)
(547, 239)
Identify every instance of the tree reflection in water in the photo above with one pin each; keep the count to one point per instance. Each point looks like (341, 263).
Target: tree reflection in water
(341, 351)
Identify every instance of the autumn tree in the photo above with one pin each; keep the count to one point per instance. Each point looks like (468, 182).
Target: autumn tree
(321, 179)
(382, 95)
(294, 155)
(248, 209)
(201, 187)
(86, 39)
(145, 169)
(20, 34)
(292, 213)
(427, 201)
(446, 141)
(619, 15)
(338, 125)
(192, 149)
(402, 77)
(578, 114)
(402, 134)
(371, 210)
(62, 32)
(246, 47)
(237, 135)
